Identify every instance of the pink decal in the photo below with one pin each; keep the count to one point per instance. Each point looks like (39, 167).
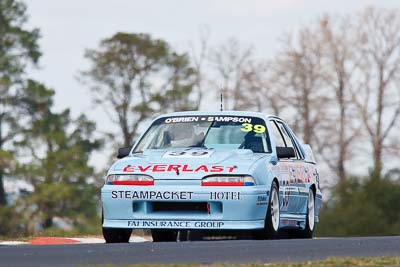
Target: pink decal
(159, 168)
(201, 168)
(217, 168)
(144, 169)
(185, 168)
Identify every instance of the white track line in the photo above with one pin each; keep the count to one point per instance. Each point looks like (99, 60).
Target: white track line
(80, 240)
(12, 243)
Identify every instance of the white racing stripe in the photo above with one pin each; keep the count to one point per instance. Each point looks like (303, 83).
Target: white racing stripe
(97, 240)
(80, 240)
(12, 243)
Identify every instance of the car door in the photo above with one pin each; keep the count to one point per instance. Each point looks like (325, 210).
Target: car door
(306, 175)
(300, 172)
(290, 170)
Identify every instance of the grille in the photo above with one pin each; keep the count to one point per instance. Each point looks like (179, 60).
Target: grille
(180, 206)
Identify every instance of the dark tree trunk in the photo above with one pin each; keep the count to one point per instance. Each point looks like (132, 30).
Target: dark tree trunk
(48, 222)
(378, 160)
(341, 170)
(3, 199)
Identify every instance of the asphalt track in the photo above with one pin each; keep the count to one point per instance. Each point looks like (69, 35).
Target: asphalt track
(230, 251)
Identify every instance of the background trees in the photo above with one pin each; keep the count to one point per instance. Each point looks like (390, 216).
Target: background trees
(63, 182)
(133, 76)
(18, 47)
(47, 150)
(232, 65)
(378, 93)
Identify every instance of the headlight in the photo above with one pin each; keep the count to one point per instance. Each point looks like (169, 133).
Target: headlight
(228, 181)
(129, 179)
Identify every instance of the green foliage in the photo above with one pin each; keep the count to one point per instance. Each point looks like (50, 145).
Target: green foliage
(176, 95)
(134, 76)
(18, 47)
(362, 207)
(6, 159)
(11, 222)
(59, 147)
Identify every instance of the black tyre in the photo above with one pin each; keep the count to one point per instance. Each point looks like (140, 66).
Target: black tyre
(163, 235)
(117, 235)
(308, 231)
(272, 219)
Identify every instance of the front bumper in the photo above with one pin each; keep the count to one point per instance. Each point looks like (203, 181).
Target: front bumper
(230, 207)
(185, 224)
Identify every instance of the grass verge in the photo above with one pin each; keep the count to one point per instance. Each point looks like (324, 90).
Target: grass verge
(330, 262)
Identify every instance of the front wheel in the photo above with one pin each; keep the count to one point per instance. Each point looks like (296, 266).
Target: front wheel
(117, 235)
(272, 219)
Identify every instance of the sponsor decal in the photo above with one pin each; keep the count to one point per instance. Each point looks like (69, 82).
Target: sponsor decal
(174, 224)
(224, 195)
(285, 198)
(181, 168)
(208, 119)
(152, 195)
(170, 195)
(296, 174)
(289, 222)
(262, 200)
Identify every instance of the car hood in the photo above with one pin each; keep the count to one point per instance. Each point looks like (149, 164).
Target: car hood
(189, 163)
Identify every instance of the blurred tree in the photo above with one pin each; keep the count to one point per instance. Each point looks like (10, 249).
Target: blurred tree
(377, 93)
(263, 95)
(176, 93)
(198, 55)
(59, 171)
(339, 54)
(299, 74)
(339, 79)
(233, 66)
(246, 82)
(133, 76)
(18, 47)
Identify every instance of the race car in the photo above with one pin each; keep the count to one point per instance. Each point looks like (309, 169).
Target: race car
(196, 172)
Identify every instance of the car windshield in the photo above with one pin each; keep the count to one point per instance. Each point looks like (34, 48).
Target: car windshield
(226, 132)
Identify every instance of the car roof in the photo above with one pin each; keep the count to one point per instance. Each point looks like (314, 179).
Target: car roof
(219, 113)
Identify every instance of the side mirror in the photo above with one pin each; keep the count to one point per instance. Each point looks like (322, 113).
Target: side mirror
(123, 152)
(285, 152)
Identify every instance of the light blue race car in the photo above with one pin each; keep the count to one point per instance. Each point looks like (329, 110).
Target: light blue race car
(212, 172)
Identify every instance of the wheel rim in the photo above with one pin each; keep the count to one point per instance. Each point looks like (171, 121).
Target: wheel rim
(311, 217)
(275, 209)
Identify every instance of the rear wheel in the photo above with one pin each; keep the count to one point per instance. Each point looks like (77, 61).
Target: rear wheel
(117, 235)
(272, 219)
(163, 235)
(308, 231)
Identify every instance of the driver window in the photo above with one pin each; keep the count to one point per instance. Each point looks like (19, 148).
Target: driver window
(287, 138)
(279, 141)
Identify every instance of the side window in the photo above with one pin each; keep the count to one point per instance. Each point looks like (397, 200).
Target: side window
(277, 134)
(287, 138)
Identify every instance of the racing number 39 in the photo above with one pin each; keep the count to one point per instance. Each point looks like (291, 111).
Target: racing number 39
(248, 127)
